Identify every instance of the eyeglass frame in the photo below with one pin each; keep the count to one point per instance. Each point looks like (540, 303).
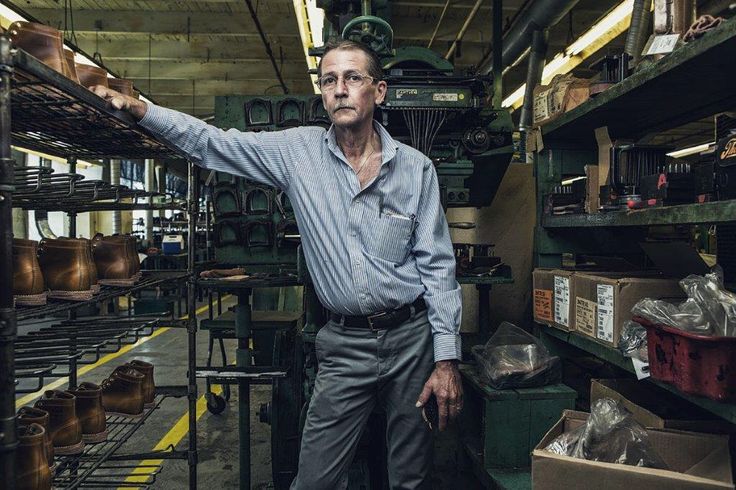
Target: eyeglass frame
(318, 82)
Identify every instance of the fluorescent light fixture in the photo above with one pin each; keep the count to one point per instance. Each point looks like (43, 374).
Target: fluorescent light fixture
(310, 20)
(601, 33)
(8, 16)
(690, 151)
(570, 181)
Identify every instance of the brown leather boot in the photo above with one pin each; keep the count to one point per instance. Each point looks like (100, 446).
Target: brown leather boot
(90, 412)
(40, 41)
(66, 268)
(149, 388)
(112, 257)
(31, 466)
(64, 427)
(91, 75)
(122, 392)
(70, 64)
(121, 85)
(28, 284)
(32, 415)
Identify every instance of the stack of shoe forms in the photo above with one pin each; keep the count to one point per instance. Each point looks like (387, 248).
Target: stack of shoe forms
(72, 268)
(47, 44)
(62, 422)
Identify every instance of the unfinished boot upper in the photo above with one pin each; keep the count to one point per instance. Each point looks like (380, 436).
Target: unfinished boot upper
(64, 427)
(122, 392)
(32, 467)
(33, 415)
(90, 412)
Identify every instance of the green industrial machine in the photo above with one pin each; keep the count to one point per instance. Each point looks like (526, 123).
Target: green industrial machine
(429, 106)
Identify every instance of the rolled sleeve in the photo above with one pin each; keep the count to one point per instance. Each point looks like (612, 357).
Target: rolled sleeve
(436, 264)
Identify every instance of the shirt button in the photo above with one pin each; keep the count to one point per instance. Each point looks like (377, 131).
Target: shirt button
(352, 233)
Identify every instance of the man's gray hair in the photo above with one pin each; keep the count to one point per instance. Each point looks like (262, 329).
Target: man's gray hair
(374, 63)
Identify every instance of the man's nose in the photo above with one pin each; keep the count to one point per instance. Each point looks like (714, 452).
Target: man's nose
(341, 89)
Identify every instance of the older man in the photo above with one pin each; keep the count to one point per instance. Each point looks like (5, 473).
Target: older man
(378, 249)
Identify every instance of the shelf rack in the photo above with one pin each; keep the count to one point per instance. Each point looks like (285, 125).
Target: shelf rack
(44, 111)
(682, 88)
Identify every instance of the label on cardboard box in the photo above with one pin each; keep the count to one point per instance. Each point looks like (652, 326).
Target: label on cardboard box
(543, 304)
(605, 312)
(585, 316)
(562, 300)
(541, 107)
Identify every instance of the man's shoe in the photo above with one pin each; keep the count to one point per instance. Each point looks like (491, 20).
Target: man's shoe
(32, 415)
(149, 388)
(28, 283)
(90, 412)
(112, 256)
(122, 392)
(66, 268)
(65, 430)
(31, 467)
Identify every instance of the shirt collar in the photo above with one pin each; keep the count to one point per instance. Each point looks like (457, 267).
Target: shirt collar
(389, 146)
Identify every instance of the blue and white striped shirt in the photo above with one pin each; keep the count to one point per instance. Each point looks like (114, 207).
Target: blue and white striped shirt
(368, 250)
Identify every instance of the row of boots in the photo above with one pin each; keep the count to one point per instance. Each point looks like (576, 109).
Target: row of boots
(62, 422)
(47, 45)
(72, 268)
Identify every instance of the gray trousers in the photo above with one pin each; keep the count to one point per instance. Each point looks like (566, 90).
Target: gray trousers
(358, 369)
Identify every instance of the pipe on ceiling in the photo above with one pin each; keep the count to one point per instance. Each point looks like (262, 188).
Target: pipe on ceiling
(638, 30)
(266, 45)
(463, 29)
(538, 16)
(537, 57)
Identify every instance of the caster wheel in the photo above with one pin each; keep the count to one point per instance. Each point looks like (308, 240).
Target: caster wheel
(215, 403)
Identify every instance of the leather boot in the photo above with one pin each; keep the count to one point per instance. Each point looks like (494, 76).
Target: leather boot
(31, 466)
(113, 259)
(40, 41)
(90, 412)
(64, 427)
(122, 392)
(91, 75)
(32, 415)
(71, 65)
(149, 388)
(94, 284)
(121, 85)
(28, 284)
(66, 268)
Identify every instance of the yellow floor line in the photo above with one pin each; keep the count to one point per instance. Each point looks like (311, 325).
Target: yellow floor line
(104, 360)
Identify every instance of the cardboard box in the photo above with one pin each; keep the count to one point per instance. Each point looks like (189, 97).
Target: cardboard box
(603, 301)
(564, 93)
(553, 298)
(695, 461)
(657, 408)
(592, 189)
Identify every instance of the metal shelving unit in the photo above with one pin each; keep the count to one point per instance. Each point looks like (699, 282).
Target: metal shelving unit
(685, 86)
(42, 110)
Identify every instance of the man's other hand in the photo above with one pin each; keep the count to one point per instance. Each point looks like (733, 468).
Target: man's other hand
(136, 107)
(447, 387)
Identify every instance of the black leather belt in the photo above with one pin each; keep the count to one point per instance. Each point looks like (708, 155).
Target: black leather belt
(382, 319)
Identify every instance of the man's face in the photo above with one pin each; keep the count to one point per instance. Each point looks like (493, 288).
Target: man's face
(350, 106)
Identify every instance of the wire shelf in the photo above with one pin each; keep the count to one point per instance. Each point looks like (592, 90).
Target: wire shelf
(55, 115)
(56, 306)
(40, 188)
(92, 469)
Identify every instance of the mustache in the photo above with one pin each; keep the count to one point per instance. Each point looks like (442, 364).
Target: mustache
(342, 106)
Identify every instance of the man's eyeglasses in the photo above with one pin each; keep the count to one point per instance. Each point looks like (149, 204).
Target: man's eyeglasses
(352, 80)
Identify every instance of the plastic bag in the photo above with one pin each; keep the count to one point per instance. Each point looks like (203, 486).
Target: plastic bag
(513, 358)
(610, 435)
(633, 341)
(709, 310)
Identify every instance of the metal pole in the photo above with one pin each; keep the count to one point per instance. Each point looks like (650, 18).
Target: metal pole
(465, 26)
(150, 187)
(115, 180)
(243, 359)
(72, 161)
(535, 67)
(439, 21)
(497, 54)
(8, 329)
(266, 45)
(193, 203)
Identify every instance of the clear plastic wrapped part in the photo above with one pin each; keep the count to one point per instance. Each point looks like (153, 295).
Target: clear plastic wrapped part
(610, 435)
(633, 342)
(709, 310)
(513, 358)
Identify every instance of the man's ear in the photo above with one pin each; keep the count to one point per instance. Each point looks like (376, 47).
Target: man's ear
(381, 88)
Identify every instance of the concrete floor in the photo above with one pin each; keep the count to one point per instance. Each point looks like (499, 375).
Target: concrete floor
(218, 434)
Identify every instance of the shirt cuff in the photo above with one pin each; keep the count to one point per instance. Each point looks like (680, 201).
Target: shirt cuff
(447, 346)
(156, 118)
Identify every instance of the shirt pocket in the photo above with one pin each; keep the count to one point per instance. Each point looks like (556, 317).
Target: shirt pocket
(388, 237)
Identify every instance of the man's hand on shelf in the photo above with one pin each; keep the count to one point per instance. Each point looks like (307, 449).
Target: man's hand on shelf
(135, 107)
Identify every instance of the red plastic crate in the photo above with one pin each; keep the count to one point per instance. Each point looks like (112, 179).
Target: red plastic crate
(695, 364)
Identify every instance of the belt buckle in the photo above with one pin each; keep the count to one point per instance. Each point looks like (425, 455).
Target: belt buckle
(371, 317)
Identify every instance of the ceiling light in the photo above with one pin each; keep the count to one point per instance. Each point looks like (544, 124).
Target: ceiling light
(601, 33)
(690, 151)
(8, 16)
